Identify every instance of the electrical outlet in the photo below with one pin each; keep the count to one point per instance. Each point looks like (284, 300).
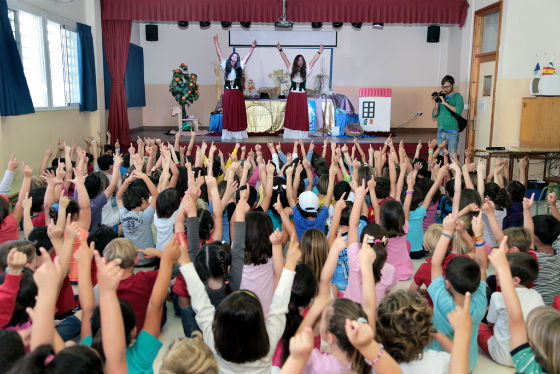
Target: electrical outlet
(419, 114)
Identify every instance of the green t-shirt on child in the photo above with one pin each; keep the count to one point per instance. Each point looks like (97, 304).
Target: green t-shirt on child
(141, 355)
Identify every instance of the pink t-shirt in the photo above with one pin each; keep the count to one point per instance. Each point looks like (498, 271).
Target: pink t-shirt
(259, 279)
(430, 217)
(354, 289)
(324, 363)
(398, 256)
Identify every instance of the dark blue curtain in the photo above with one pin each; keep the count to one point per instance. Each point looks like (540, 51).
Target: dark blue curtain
(86, 67)
(133, 79)
(14, 93)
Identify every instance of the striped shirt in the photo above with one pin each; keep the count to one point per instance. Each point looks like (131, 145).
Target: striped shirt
(548, 281)
(525, 361)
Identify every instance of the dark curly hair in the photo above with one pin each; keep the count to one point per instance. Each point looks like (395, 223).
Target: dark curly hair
(404, 325)
(297, 70)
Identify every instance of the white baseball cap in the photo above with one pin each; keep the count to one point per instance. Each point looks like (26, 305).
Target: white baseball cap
(309, 201)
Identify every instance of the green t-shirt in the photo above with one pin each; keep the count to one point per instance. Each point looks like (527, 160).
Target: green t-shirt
(524, 360)
(444, 119)
(141, 355)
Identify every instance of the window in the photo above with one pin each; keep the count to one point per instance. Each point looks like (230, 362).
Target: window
(49, 54)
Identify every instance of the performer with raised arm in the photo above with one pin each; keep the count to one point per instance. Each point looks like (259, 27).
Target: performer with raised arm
(296, 119)
(234, 123)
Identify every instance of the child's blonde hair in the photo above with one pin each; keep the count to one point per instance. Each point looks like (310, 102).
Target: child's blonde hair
(431, 237)
(123, 249)
(543, 332)
(189, 355)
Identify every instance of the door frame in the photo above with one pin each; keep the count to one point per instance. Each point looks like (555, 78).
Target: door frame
(477, 59)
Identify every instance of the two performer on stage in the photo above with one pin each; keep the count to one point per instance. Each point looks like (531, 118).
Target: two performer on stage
(234, 122)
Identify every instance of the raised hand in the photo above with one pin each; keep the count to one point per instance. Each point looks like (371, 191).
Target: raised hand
(13, 163)
(360, 334)
(16, 261)
(276, 237)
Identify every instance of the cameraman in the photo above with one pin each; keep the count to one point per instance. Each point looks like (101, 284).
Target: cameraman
(448, 128)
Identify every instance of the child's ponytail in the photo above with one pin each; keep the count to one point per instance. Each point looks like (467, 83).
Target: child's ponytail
(377, 241)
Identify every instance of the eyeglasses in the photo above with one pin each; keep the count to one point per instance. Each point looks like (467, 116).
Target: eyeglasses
(449, 86)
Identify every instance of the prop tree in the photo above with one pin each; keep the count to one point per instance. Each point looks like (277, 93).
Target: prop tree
(184, 89)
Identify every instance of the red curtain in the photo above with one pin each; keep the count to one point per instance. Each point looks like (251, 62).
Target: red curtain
(116, 37)
(192, 10)
(387, 11)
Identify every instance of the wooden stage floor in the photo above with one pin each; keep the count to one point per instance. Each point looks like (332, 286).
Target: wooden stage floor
(409, 136)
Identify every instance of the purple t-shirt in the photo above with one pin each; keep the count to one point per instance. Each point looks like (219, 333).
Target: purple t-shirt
(96, 205)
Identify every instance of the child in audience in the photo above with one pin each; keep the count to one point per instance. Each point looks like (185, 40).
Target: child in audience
(462, 275)
(167, 206)
(545, 230)
(541, 329)
(417, 211)
(409, 347)
(394, 223)
(494, 339)
(189, 355)
(514, 215)
(240, 315)
(314, 250)
(501, 200)
(134, 288)
(307, 213)
(136, 212)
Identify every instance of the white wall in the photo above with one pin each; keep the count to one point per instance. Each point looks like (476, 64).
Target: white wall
(398, 55)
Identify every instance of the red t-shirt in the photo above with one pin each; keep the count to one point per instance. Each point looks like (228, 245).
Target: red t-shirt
(39, 220)
(136, 290)
(66, 300)
(8, 296)
(556, 303)
(9, 229)
(180, 286)
(424, 273)
(371, 212)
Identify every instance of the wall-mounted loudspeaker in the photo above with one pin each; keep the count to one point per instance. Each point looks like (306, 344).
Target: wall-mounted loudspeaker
(151, 33)
(433, 34)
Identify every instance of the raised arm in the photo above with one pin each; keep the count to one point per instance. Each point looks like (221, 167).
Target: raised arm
(461, 321)
(249, 54)
(316, 57)
(523, 170)
(289, 187)
(457, 193)
(551, 199)
(442, 245)
(218, 52)
(437, 183)
(527, 218)
(217, 208)
(283, 55)
(480, 255)
(85, 286)
(23, 192)
(153, 189)
(112, 324)
(410, 181)
(369, 299)
(488, 207)
(83, 199)
(160, 290)
(354, 221)
(517, 329)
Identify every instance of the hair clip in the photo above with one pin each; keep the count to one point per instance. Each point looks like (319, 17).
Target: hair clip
(361, 320)
(49, 359)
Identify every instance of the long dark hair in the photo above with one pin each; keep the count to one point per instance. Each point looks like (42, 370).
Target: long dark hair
(4, 208)
(392, 218)
(258, 249)
(237, 67)
(304, 289)
(297, 70)
(240, 314)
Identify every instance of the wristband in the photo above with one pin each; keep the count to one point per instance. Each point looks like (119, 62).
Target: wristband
(409, 192)
(377, 358)
(480, 245)
(281, 49)
(430, 151)
(18, 272)
(477, 238)
(318, 52)
(447, 235)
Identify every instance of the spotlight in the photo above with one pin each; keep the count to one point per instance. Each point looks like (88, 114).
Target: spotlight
(357, 25)
(337, 25)
(204, 24)
(226, 25)
(245, 25)
(378, 25)
(316, 25)
(183, 24)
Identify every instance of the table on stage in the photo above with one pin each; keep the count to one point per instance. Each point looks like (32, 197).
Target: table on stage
(267, 116)
(513, 153)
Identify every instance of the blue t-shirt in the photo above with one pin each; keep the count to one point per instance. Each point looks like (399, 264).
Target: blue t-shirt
(444, 304)
(141, 355)
(303, 224)
(340, 276)
(416, 229)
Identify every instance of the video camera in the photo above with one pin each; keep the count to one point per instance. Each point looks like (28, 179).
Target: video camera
(438, 95)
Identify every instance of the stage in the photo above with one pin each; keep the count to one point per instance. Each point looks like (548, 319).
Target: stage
(408, 135)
